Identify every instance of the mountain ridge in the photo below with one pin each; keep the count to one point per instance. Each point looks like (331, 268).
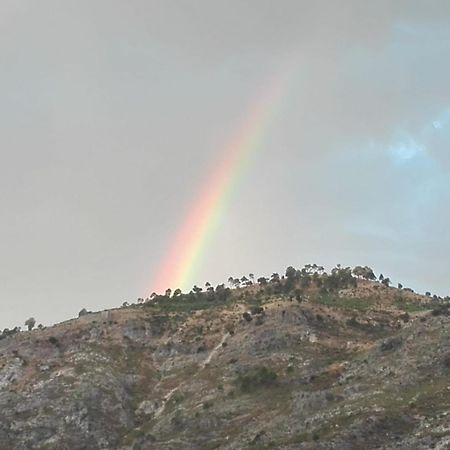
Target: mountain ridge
(308, 360)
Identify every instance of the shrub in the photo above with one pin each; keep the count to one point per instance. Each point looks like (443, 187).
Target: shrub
(53, 340)
(259, 319)
(390, 344)
(7, 332)
(441, 310)
(257, 310)
(405, 317)
(447, 361)
(256, 378)
(84, 312)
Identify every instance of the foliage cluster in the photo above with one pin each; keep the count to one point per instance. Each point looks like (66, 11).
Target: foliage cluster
(255, 378)
(295, 283)
(194, 300)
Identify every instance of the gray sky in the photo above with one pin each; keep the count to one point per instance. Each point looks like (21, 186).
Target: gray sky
(112, 112)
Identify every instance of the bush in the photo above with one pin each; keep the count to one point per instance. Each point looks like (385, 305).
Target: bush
(390, 344)
(84, 312)
(54, 341)
(447, 361)
(256, 378)
(405, 317)
(441, 310)
(7, 332)
(257, 310)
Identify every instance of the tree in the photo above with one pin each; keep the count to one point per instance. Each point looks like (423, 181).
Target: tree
(236, 282)
(176, 293)
(365, 273)
(386, 281)
(340, 278)
(222, 293)
(197, 289)
(30, 323)
(370, 274)
(262, 281)
(400, 286)
(275, 278)
(291, 273)
(305, 281)
(168, 292)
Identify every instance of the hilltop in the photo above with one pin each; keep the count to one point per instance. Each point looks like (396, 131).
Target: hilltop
(308, 360)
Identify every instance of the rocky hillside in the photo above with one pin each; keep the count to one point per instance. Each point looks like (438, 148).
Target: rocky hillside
(284, 363)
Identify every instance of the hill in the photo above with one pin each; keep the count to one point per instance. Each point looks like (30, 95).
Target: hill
(309, 360)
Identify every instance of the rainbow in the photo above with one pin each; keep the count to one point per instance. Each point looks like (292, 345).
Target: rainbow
(194, 235)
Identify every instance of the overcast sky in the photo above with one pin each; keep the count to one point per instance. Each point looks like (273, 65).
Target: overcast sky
(112, 113)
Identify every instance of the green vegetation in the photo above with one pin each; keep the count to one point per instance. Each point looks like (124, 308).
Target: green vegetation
(360, 304)
(411, 306)
(54, 341)
(256, 378)
(312, 282)
(442, 309)
(7, 332)
(194, 300)
(180, 304)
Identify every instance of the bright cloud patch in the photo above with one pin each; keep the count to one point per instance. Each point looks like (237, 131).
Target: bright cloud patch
(405, 151)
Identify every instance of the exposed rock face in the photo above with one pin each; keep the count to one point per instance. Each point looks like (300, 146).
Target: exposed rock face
(325, 376)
